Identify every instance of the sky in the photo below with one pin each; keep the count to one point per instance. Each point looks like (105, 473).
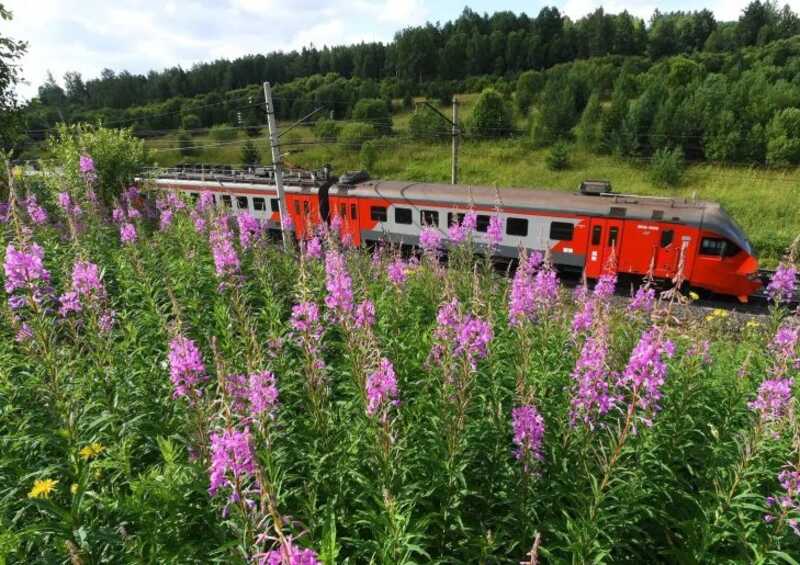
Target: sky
(139, 35)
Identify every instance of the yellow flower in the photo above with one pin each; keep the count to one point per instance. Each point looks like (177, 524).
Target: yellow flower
(91, 450)
(42, 488)
(694, 296)
(74, 488)
(753, 324)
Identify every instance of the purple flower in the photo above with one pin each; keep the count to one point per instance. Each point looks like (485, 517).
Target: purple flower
(528, 427)
(643, 300)
(784, 345)
(86, 164)
(206, 199)
(773, 400)
(186, 368)
(231, 460)
(397, 272)
(24, 333)
(314, 248)
(336, 224)
(646, 373)
(66, 204)
(782, 285)
(339, 286)
(262, 394)
(165, 219)
(287, 223)
(473, 336)
(430, 240)
(584, 315)
(106, 321)
(86, 279)
(118, 215)
(365, 314)
(37, 213)
(249, 230)
(381, 388)
(289, 554)
(24, 269)
(521, 301)
(70, 302)
(787, 502)
(605, 286)
(5, 210)
(226, 260)
(494, 232)
(127, 233)
(470, 221)
(305, 318)
(592, 395)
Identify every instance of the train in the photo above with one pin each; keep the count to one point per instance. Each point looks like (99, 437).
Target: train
(666, 239)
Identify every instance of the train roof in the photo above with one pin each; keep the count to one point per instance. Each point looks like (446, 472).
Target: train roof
(709, 215)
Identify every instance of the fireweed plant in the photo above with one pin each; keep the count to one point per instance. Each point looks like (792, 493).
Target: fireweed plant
(178, 386)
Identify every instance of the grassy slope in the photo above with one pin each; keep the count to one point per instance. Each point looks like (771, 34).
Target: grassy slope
(763, 202)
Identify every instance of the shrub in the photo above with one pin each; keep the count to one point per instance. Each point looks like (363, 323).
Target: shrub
(589, 128)
(783, 138)
(223, 132)
(558, 158)
(186, 145)
(556, 114)
(667, 167)
(327, 130)
(369, 155)
(355, 134)
(491, 116)
(426, 125)
(374, 111)
(529, 84)
(190, 122)
(250, 155)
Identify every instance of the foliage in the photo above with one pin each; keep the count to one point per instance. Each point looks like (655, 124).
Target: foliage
(667, 167)
(589, 131)
(558, 158)
(354, 134)
(369, 155)
(557, 111)
(186, 145)
(491, 116)
(10, 76)
(783, 147)
(374, 111)
(190, 122)
(529, 85)
(223, 132)
(425, 125)
(327, 130)
(250, 153)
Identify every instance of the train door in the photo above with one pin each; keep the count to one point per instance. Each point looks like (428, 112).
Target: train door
(605, 242)
(306, 212)
(666, 256)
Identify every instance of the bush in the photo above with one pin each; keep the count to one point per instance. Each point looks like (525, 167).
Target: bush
(667, 167)
(374, 111)
(783, 138)
(327, 130)
(355, 134)
(558, 158)
(250, 155)
(186, 145)
(190, 122)
(369, 155)
(426, 125)
(556, 115)
(223, 132)
(491, 116)
(529, 84)
(589, 128)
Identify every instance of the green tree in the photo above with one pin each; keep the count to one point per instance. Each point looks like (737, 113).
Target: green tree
(190, 122)
(558, 158)
(491, 116)
(783, 145)
(369, 155)
(355, 134)
(327, 130)
(250, 155)
(374, 111)
(10, 52)
(556, 114)
(425, 125)
(529, 84)
(185, 144)
(589, 128)
(223, 132)
(667, 167)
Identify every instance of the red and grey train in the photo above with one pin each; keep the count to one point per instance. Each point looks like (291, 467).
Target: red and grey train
(581, 230)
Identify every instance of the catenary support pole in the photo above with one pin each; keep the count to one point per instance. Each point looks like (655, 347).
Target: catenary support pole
(277, 163)
(456, 141)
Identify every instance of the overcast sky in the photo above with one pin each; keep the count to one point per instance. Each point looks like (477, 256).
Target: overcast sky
(139, 35)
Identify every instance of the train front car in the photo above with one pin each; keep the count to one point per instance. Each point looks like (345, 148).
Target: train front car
(724, 262)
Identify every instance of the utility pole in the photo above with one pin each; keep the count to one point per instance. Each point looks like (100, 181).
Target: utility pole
(277, 165)
(456, 141)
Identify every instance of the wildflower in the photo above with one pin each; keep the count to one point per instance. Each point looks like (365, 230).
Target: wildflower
(592, 396)
(397, 272)
(521, 302)
(646, 373)
(73, 488)
(584, 315)
(24, 333)
(783, 284)
(231, 460)
(69, 303)
(528, 427)
(262, 394)
(5, 210)
(470, 221)
(92, 450)
(693, 295)
(106, 321)
(314, 248)
(65, 203)
(701, 350)
(789, 501)
(339, 285)
(86, 164)
(186, 367)
(643, 300)
(118, 215)
(472, 340)
(42, 488)
(772, 400)
(305, 318)
(206, 199)
(226, 261)
(494, 232)
(24, 269)
(784, 345)
(289, 554)
(365, 314)
(287, 223)
(457, 232)
(165, 219)
(605, 286)
(249, 229)
(127, 233)
(35, 211)
(430, 240)
(381, 389)
(86, 279)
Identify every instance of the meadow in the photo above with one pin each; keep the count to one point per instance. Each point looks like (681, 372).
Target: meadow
(177, 388)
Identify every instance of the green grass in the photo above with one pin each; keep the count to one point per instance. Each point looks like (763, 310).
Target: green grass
(763, 202)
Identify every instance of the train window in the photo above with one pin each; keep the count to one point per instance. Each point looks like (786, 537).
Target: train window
(297, 207)
(343, 211)
(597, 232)
(241, 201)
(718, 247)
(275, 204)
(402, 215)
(517, 226)
(429, 218)
(617, 212)
(482, 225)
(378, 213)
(353, 212)
(214, 199)
(561, 231)
(612, 236)
(658, 214)
(226, 200)
(666, 237)
(454, 218)
(259, 203)
(194, 196)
